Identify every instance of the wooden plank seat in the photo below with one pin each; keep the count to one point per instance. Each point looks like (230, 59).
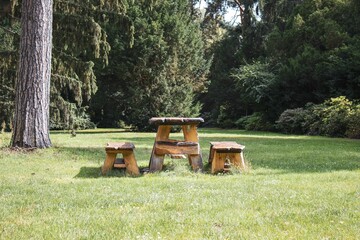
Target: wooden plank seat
(224, 155)
(128, 161)
(119, 163)
(176, 147)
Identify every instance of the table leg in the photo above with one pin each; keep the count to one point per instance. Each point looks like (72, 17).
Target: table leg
(196, 162)
(190, 133)
(156, 161)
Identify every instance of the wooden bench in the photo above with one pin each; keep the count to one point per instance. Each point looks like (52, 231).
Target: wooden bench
(128, 161)
(224, 155)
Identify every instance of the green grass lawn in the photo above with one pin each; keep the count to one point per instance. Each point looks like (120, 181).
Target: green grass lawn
(296, 187)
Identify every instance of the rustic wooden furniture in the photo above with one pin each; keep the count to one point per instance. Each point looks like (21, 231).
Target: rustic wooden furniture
(128, 161)
(176, 148)
(223, 155)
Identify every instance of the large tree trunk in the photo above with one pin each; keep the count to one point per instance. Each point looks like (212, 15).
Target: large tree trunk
(31, 120)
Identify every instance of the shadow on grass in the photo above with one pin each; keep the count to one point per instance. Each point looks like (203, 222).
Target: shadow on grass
(95, 172)
(91, 131)
(179, 168)
(89, 172)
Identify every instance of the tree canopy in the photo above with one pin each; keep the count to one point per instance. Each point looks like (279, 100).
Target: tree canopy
(305, 51)
(160, 74)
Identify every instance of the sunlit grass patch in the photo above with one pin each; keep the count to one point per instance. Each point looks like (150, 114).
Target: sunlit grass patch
(296, 187)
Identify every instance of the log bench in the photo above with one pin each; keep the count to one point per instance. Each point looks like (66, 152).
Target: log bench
(224, 155)
(128, 161)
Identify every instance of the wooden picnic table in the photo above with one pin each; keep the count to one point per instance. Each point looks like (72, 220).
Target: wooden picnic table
(163, 145)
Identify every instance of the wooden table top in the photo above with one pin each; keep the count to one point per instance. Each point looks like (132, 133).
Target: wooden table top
(175, 121)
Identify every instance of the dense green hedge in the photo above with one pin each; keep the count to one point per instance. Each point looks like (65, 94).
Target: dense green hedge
(336, 117)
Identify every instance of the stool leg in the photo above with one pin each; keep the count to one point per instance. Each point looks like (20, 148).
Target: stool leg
(241, 160)
(218, 162)
(211, 155)
(109, 163)
(234, 159)
(130, 163)
(237, 160)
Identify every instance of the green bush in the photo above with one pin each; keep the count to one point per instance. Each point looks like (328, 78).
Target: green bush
(255, 122)
(76, 119)
(336, 117)
(353, 129)
(292, 121)
(224, 120)
(313, 120)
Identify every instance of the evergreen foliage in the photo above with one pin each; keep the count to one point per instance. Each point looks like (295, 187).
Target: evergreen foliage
(9, 38)
(222, 97)
(79, 42)
(253, 82)
(318, 51)
(160, 74)
(310, 49)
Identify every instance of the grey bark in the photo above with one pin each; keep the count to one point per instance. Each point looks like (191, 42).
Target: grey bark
(31, 119)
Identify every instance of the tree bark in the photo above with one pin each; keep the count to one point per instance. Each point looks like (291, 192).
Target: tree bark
(31, 119)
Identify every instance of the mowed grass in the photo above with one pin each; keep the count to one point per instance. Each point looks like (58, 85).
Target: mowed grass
(296, 187)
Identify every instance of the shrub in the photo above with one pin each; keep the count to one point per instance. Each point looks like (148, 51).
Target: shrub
(353, 129)
(313, 119)
(335, 117)
(77, 119)
(255, 122)
(224, 120)
(292, 121)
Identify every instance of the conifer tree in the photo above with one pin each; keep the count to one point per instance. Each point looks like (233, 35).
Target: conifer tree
(83, 45)
(161, 73)
(9, 39)
(79, 42)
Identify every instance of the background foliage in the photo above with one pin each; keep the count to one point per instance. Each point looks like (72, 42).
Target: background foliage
(119, 63)
(160, 73)
(337, 117)
(306, 52)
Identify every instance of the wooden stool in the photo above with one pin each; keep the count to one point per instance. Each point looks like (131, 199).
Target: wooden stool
(127, 150)
(224, 154)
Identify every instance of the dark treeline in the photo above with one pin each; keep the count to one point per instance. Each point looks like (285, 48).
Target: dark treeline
(292, 66)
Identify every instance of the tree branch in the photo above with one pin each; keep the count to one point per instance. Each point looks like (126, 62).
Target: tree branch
(9, 31)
